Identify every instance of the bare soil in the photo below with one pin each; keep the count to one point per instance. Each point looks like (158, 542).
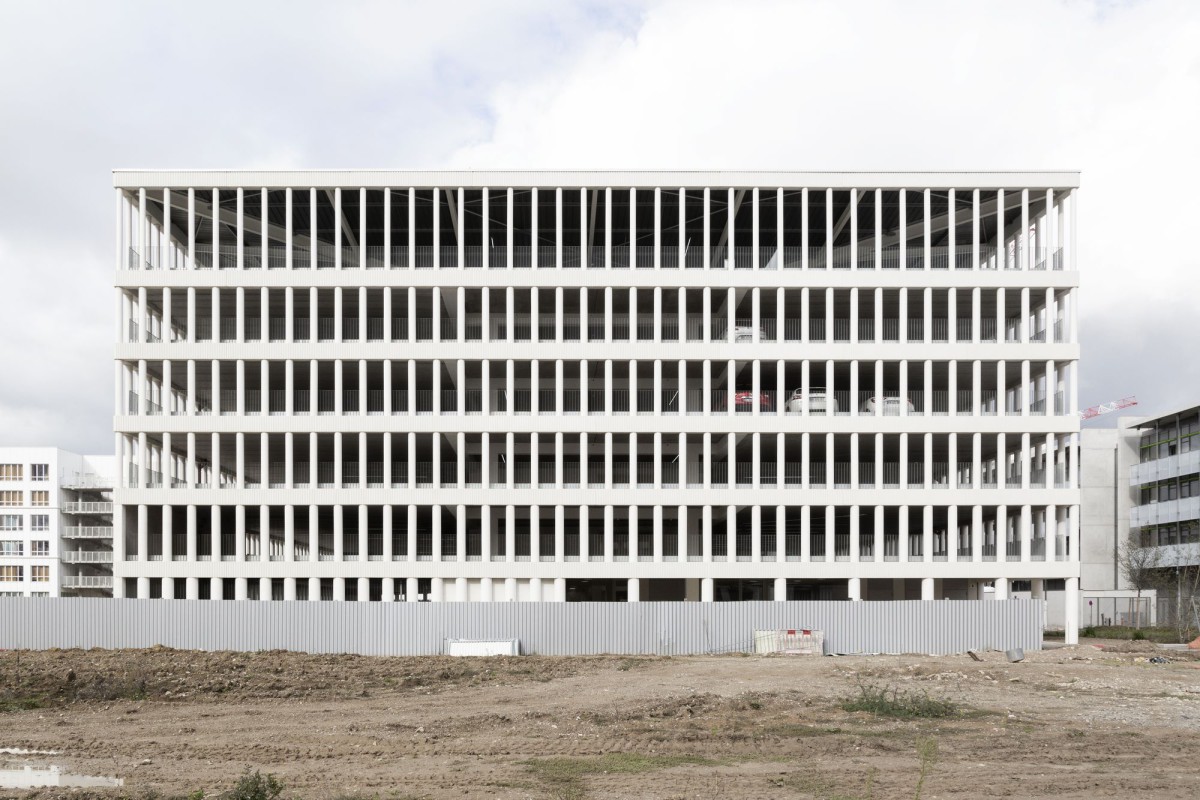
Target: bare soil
(1074, 722)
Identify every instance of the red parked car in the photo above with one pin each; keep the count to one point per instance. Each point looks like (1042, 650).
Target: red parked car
(743, 400)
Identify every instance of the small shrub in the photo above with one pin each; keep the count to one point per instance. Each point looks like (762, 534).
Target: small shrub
(927, 752)
(1138, 635)
(19, 704)
(256, 786)
(1088, 633)
(890, 701)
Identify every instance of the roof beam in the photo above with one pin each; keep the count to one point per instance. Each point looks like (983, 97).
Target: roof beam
(960, 216)
(452, 203)
(737, 203)
(841, 223)
(227, 217)
(347, 228)
(592, 223)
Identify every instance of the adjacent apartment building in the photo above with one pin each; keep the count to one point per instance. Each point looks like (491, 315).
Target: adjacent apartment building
(1140, 483)
(56, 529)
(557, 386)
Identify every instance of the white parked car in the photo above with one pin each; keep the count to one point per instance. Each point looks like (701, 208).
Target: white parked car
(745, 333)
(890, 404)
(818, 402)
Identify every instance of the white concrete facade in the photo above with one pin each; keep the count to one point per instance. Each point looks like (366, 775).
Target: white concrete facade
(590, 385)
(55, 523)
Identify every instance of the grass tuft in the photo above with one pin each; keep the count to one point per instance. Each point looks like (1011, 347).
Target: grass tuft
(891, 701)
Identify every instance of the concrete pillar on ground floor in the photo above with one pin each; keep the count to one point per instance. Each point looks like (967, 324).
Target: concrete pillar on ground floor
(854, 588)
(389, 590)
(1001, 592)
(1037, 589)
(239, 588)
(486, 590)
(560, 590)
(634, 590)
(314, 584)
(510, 589)
(437, 590)
(927, 589)
(364, 586)
(706, 590)
(339, 589)
(780, 589)
(143, 588)
(1071, 611)
(193, 589)
(264, 588)
(535, 590)
(461, 590)
(410, 590)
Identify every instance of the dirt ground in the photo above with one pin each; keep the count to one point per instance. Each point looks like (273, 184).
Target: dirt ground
(1075, 722)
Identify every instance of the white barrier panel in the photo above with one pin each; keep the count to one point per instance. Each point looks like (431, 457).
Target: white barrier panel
(475, 647)
(791, 641)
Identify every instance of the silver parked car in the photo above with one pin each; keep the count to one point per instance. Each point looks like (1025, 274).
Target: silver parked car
(817, 401)
(745, 333)
(890, 405)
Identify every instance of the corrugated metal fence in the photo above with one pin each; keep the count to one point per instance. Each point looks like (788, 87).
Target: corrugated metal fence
(939, 626)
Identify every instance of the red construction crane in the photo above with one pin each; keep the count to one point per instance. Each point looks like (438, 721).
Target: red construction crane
(1105, 408)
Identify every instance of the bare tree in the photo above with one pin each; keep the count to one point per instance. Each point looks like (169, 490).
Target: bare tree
(1185, 585)
(1141, 567)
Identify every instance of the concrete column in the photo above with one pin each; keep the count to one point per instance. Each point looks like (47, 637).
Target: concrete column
(1071, 611)
(854, 588)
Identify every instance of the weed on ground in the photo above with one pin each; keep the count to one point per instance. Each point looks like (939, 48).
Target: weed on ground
(891, 701)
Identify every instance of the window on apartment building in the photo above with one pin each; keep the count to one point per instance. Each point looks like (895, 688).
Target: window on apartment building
(1055, 585)
(39, 522)
(39, 472)
(39, 594)
(11, 522)
(12, 498)
(10, 594)
(39, 498)
(10, 548)
(9, 572)
(10, 472)
(39, 547)
(39, 573)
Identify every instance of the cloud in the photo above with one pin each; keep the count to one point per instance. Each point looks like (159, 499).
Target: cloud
(1104, 87)
(89, 87)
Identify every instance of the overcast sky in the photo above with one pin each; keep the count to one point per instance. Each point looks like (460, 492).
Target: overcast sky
(1108, 88)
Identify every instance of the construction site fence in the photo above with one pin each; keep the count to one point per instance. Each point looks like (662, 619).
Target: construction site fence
(413, 629)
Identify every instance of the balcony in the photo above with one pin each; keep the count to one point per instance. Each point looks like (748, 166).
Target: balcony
(87, 481)
(87, 582)
(87, 507)
(1162, 469)
(1165, 512)
(88, 532)
(87, 557)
